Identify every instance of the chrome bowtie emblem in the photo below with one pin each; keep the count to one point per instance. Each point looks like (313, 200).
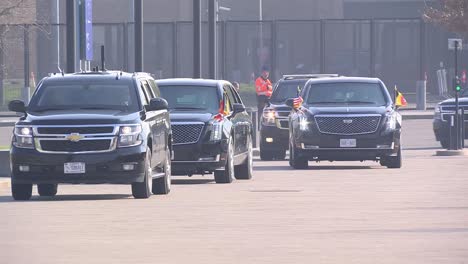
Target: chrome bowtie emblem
(347, 121)
(75, 137)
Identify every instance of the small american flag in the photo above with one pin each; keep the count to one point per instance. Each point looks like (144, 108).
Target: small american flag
(297, 102)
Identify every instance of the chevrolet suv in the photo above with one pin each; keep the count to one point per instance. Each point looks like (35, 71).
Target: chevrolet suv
(442, 118)
(344, 119)
(92, 127)
(274, 134)
(212, 132)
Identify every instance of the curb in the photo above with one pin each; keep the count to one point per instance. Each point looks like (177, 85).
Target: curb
(7, 123)
(416, 117)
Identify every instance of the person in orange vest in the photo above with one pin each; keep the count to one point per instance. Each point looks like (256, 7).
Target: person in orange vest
(264, 89)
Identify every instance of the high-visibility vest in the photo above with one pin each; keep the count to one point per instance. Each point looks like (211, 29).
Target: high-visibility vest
(263, 87)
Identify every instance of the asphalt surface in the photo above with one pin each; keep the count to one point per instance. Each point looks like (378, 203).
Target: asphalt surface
(342, 212)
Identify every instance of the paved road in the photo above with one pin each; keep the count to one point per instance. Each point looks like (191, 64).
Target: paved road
(331, 213)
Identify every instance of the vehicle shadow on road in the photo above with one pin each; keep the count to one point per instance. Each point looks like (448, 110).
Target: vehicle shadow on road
(312, 167)
(192, 181)
(69, 197)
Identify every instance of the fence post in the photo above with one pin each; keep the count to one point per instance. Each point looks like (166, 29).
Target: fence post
(273, 49)
(372, 48)
(175, 46)
(2, 67)
(125, 47)
(26, 90)
(322, 46)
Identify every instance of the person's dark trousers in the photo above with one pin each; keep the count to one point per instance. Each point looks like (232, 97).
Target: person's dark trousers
(261, 102)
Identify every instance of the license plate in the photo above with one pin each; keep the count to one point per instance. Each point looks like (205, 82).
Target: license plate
(74, 168)
(348, 143)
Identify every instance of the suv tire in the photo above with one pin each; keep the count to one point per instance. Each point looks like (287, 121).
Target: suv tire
(163, 185)
(394, 162)
(265, 155)
(47, 189)
(244, 171)
(295, 161)
(226, 175)
(142, 190)
(280, 154)
(21, 192)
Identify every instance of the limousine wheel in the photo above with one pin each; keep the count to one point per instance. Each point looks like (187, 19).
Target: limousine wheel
(393, 162)
(244, 170)
(227, 174)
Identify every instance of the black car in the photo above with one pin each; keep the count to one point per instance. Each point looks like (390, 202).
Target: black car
(442, 118)
(92, 127)
(212, 132)
(344, 119)
(274, 134)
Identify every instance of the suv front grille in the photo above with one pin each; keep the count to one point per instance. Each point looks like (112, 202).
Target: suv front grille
(187, 133)
(75, 138)
(81, 146)
(71, 129)
(347, 124)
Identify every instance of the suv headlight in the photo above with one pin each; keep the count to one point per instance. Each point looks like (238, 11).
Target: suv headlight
(437, 112)
(216, 131)
(269, 117)
(23, 137)
(130, 135)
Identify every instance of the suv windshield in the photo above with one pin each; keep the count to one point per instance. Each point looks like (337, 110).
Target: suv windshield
(85, 95)
(191, 97)
(286, 90)
(357, 94)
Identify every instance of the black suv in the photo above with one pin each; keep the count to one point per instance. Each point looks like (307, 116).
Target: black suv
(274, 134)
(92, 127)
(344, 119)
(212, 131)
(443, 112)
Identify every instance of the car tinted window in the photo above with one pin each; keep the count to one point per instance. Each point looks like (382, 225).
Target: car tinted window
(286, 90)
(352, 93)
(190, 97)
(56, 96)
(148, 91)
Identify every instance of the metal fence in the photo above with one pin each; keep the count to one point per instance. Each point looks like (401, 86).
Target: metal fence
(400, 52)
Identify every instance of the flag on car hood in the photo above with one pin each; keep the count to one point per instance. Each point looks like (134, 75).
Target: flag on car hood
(399, 98)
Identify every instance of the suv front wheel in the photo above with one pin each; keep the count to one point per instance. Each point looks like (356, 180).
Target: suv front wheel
(226, 175)
(295, 161)
(142, 190)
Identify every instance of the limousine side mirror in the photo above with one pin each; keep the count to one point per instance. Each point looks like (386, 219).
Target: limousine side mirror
(157, 104)
(17, 106)
(238, 108)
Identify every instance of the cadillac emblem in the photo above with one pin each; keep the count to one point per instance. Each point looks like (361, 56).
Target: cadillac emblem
(75, 137)
(347, 121)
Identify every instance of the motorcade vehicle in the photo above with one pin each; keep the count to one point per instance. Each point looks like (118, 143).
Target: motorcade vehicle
(444, 111)
(212, 132)
(90, 128)
(274, 125)
(344, 119)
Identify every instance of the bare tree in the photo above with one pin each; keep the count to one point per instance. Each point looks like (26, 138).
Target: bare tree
(450, 14)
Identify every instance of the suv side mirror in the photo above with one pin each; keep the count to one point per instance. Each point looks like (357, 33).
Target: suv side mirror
(290, 102)
(17, 106)
(238, 108)
(157, 104)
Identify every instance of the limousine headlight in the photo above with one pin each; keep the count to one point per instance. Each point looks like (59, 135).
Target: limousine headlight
(216, 131)
(23, 137)
(390, 125)
(437, 112)
(303, 124)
